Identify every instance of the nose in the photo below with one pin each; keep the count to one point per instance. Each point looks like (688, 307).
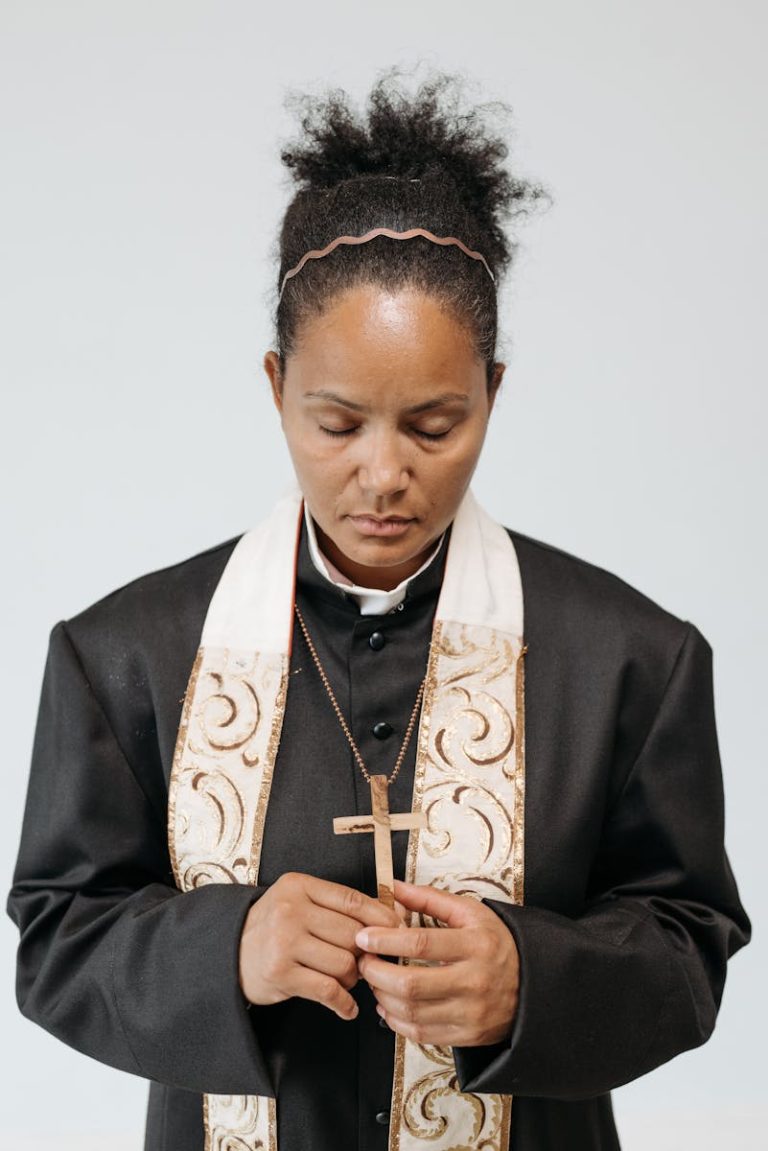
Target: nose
(382, 470)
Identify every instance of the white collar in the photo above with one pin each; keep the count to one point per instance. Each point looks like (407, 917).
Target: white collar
(372, 601)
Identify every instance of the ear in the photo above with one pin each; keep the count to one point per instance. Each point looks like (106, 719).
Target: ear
(272, 368)
(498, 372)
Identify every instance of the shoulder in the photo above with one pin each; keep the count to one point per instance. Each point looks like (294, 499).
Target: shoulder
(575, 599)
(130, 652)
(161, 605)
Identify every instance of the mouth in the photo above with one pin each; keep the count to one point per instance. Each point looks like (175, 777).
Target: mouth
(370, 525)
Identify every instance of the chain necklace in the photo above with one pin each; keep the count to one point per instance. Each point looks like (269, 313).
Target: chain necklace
(381, 822)
(343, 722)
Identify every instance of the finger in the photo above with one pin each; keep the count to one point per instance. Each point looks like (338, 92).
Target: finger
(350, 902)
(431, 1026)
(453, 910)
(328, 960)
(323, 989)
(436, 1034)
(332, 927)
(426, 1013)
(415, 1010)
(432, 944)
(409, 981)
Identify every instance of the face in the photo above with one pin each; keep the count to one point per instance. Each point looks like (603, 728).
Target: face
(384, 405)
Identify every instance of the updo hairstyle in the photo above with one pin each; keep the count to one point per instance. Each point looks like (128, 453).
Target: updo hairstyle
(411, 161)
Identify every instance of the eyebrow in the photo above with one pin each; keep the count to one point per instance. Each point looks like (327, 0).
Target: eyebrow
(435, 402)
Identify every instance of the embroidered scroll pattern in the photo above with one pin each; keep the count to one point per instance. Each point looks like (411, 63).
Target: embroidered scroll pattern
(219, 789)
(239, 1123)
(470, 780)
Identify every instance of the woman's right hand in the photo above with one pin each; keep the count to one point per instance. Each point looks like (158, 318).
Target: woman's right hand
(299, 939)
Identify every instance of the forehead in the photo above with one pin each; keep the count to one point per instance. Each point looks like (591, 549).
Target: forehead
(371, 336)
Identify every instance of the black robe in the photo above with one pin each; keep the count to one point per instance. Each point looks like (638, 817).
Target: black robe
(631, 909)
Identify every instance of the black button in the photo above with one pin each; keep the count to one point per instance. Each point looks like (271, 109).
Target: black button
(383, 1118)
(382, 730)
(377, 641)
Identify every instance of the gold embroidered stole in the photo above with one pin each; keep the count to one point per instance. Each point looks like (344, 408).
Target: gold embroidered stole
(469, 778)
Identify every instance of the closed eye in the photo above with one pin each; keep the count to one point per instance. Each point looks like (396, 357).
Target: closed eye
(337, 432)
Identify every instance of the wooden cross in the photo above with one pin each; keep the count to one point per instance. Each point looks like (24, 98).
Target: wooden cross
(382, 824)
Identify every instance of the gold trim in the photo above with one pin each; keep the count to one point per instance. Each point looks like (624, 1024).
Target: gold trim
(519, 814)
(178, 752)
(422, 746)
(422, 751)
(206, 1124)
(217, 786)
(266, 776)
(469, 779)
(272, 1117)
(398, 1080)
(505, 1127)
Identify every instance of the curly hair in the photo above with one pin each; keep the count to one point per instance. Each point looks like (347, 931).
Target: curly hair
(413, 161)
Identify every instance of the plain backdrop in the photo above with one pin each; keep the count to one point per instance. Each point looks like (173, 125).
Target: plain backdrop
(139, 201)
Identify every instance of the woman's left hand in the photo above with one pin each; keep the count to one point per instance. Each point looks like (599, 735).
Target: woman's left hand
(467, 996)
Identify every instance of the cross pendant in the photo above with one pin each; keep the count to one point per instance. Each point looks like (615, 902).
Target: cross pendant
(382, 824)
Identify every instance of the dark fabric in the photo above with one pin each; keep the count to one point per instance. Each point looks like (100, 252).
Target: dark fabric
(630, 913)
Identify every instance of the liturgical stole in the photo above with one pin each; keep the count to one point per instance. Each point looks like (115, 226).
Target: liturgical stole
(469, 780)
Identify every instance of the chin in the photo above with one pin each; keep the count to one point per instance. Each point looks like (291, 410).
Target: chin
(382, 557)
(381, 553)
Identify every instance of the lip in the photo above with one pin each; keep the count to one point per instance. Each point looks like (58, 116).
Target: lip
(381, 526)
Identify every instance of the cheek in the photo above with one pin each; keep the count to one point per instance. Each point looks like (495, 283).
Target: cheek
(308, 449)
(321, 469)
(449, 470)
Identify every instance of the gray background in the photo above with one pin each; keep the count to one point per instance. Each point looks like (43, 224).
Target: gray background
(139, 202)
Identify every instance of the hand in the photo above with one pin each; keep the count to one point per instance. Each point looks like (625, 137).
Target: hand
(469, 996)
(299, 939)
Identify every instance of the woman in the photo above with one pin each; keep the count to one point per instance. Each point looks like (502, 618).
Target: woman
(242, 758)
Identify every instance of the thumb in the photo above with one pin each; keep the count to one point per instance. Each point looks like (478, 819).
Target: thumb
(453, 910)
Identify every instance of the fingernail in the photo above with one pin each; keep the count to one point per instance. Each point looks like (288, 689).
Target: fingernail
(361, 939)
(354, 1012)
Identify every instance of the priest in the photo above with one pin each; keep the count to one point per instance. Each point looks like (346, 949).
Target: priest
(380, 825)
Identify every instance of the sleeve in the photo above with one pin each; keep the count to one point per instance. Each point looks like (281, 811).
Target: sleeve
(637, 977)
(113, 958)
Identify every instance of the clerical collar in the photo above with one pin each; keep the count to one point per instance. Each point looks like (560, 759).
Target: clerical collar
(371, 601)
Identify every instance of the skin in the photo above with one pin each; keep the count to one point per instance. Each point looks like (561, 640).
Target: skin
(468, 995)
(361, 370)
(384, 406)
